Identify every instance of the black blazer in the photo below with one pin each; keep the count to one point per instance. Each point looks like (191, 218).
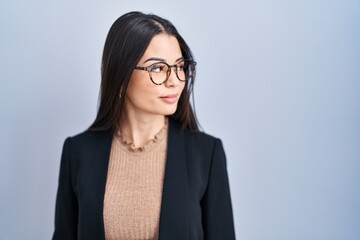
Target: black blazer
(196, 200)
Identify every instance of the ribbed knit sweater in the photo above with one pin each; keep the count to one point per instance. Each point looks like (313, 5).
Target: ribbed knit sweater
(134, 187)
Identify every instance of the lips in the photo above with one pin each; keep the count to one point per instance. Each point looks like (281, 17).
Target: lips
(172, 98)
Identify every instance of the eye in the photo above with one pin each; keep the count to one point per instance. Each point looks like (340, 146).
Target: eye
(157, 68)
(181, 67)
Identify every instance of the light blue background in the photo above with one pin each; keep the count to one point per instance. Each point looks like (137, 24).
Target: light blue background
(278, 82)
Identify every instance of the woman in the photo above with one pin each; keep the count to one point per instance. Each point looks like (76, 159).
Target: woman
(143, 170)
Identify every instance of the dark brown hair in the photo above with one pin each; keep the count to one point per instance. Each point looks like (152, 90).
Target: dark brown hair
(126, 42)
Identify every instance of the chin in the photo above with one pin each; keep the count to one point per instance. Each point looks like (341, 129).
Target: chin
(170, 110)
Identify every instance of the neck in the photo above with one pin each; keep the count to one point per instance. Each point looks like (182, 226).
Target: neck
(140, 129)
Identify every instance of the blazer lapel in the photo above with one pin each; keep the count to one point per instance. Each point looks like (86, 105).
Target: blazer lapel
(99, 153)
(174, 214)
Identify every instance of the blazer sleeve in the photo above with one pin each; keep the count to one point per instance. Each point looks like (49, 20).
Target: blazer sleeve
(218, 220)
(66, 210)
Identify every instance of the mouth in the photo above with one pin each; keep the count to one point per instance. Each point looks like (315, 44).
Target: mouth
(172, 98)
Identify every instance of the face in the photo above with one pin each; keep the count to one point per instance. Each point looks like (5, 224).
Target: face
(143, 96)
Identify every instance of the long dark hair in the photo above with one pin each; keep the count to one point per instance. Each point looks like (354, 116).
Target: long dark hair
(126, 42)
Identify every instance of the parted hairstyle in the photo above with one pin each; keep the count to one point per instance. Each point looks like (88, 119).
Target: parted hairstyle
(126, 42)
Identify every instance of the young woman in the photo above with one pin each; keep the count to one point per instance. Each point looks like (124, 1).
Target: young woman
(143, 170)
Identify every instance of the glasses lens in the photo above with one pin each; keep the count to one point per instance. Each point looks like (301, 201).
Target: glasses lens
(185, 70)
(158, 72)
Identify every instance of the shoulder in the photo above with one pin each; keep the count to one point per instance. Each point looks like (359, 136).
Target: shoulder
(89, 139)
(197, 138)
(201, 138)
(85, 148)
(91, 135)
(201, 144)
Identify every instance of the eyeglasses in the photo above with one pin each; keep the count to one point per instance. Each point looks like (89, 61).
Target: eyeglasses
(160, 72)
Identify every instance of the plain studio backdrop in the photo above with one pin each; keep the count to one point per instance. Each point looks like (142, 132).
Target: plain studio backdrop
(278, 82)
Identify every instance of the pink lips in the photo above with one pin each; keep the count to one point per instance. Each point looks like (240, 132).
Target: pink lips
(170, 98)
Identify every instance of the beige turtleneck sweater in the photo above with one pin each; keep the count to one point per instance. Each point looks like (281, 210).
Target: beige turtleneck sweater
(134, 188)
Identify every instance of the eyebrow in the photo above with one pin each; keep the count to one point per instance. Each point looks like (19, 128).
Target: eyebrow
(154, 59)
(179, 59)
(161, 59)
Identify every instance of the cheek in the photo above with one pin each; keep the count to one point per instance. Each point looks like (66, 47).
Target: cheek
(141, 91)
(181, 88)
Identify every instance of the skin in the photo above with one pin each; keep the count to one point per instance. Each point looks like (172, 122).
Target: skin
(144, 105)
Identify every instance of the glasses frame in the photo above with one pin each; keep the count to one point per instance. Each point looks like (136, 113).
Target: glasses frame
(168, 73)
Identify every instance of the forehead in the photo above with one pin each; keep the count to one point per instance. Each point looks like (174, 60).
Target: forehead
(163, 46)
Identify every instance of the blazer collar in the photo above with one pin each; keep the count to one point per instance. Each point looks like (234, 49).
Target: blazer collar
(174, 212)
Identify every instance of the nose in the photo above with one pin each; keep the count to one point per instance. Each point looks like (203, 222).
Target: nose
(172, 81)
